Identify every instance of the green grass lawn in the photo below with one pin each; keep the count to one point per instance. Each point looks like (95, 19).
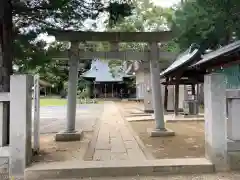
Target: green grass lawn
(52, 102)
(55, 101)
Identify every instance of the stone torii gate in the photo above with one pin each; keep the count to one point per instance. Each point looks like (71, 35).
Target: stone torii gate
(74, 55)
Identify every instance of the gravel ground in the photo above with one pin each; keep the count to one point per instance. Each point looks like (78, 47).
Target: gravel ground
(218, 176)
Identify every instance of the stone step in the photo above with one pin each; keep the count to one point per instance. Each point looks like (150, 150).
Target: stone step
(80, 169)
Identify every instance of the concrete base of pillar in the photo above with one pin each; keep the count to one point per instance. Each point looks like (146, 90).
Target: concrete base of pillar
(68, 136)
(161, 133)
(149, 111)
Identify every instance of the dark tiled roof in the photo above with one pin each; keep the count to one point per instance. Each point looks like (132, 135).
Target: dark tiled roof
(183, 59)
(225, 50)
(101, 71)
(189, 59)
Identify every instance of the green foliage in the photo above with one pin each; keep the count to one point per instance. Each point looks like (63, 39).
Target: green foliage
(83, 84)
(209, 23)
(146, 17)
(118, 11)
(83, 88)
(65, 86)
(83, 94)
(54, 71)
(31, 18)
(28, 54)
(65, 14)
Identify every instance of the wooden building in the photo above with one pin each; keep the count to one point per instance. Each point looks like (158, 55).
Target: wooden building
(108, 82)
(191, 66)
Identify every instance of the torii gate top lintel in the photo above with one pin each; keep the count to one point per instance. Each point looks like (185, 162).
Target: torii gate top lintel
(81, 36)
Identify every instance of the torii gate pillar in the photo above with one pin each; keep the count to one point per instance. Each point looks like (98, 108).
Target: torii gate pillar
(70, 133)
(160, 129)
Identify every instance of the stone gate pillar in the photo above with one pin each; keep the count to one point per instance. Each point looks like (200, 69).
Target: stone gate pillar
(233, 133)
(70, 133)
(3, 122)
(148, 106)
(20, 124)
(215, 120)
(160, 129)
(36, 118)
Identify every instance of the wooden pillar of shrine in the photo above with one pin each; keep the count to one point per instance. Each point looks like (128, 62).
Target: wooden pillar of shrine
(176, 96)
(166, 94)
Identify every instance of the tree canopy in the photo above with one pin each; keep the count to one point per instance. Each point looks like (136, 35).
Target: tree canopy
(65, 14)
(209, 23)
(146, 17)
(22, 21)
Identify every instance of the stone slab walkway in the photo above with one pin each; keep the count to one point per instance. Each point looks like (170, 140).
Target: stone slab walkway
(114, 140)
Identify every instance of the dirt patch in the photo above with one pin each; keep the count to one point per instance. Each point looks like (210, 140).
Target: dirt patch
(52, 151)
(187, 143)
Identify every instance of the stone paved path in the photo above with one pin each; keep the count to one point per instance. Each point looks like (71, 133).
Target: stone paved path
(114, 141)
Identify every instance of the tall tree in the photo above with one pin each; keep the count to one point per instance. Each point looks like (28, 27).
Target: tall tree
(209, 23)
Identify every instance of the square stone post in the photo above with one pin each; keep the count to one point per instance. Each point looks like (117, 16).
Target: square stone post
(139, 85)
(20, 124)
(4, 97)
(160, 129)
(36, 119)
(215, 120)
(170, 105)
(148, 106)
(233, 133)
(233, 103)
(70, 133)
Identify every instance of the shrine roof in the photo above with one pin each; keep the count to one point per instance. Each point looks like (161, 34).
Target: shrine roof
(101, 72)
(183, 60)
(194, 62)
(214, 55)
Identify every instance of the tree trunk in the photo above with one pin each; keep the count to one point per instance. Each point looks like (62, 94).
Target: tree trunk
(6, 56)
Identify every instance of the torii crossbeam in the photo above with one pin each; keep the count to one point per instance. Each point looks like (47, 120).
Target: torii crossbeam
(115, 55)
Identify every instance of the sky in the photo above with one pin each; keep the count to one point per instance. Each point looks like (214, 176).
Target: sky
(163, 3)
